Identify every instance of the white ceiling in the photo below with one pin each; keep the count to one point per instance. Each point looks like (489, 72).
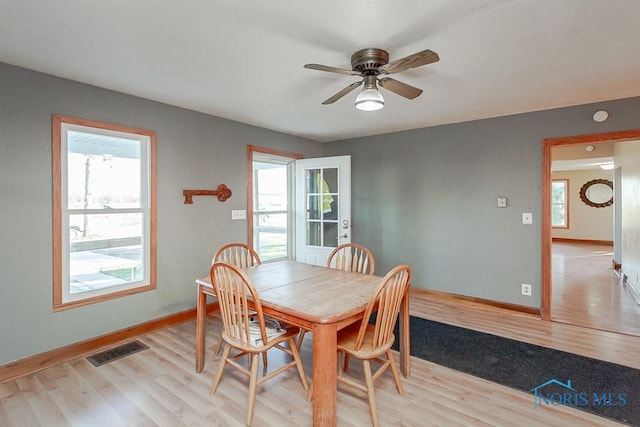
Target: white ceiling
(242, 60)
(578, 164)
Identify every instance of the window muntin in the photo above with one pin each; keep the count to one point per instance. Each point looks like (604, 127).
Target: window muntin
(560, 203)
(104, 213)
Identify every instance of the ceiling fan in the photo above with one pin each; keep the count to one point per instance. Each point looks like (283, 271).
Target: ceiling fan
(369, 64)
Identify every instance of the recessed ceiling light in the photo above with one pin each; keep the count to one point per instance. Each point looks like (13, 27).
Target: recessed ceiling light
(600, 116)
(589, 148)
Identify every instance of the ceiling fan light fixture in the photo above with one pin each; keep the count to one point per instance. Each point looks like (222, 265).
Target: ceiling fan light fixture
(369, 99)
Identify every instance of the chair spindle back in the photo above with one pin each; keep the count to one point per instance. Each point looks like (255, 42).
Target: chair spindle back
(352, 257)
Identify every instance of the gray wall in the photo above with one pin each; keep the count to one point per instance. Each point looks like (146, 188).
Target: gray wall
(427, 197)
(194, 151)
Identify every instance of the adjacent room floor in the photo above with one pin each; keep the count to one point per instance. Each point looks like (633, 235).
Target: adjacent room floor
(588, 292)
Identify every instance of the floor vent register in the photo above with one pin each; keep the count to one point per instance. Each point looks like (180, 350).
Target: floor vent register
(116, 353)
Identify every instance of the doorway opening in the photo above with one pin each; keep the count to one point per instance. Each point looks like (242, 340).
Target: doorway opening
(611, 307)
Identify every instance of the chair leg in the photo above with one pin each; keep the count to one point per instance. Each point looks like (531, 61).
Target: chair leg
(296, 358)
(264, 362)
(310, 392)
(253, 383)
(216, 349)
(301, 337)
(223, 361)
(346, 362)
(370, 392)
(396, 374)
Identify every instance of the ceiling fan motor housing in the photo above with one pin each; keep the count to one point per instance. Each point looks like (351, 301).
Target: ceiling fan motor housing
(367, 61)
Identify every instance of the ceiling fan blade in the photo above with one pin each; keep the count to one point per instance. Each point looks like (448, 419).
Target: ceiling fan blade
(342, 93)
(400, 88)
(332, 69)
(412, 61)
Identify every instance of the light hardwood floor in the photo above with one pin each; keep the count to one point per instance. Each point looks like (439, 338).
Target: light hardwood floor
(587, 292)
(159, 386)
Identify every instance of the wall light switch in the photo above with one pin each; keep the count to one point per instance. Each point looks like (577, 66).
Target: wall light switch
(502, 202)
(527, 218)
(238, 214)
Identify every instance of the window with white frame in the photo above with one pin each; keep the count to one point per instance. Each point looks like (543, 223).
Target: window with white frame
(104, 211)
(560, 203)
(271, 213)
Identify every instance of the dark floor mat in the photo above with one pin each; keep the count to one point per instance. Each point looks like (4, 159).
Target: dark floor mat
(553, 377)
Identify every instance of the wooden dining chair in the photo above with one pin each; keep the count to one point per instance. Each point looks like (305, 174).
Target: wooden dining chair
(238, 254)
(352, 257)
(247, 332)
(348, 257)
(372, 339)
(242, 256)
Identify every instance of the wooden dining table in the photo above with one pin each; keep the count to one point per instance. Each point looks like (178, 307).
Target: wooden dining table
(319, 299)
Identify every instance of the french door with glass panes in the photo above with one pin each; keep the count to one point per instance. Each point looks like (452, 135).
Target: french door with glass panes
(323, 207)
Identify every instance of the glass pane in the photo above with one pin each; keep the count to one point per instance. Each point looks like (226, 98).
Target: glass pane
(271, 204)
(314, 235)
(329, 207)
(313, 180)
(558, 192)
(330, 177)
(330, 234)
(270, 186)
(270, 236)
(102, 172)
(558, 215)
(313, 207)
(105, 250)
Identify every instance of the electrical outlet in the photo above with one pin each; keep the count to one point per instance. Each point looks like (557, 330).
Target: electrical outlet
(526, 289)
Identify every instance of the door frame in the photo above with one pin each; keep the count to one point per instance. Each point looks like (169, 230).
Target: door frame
(547, 145)
(263, 150)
